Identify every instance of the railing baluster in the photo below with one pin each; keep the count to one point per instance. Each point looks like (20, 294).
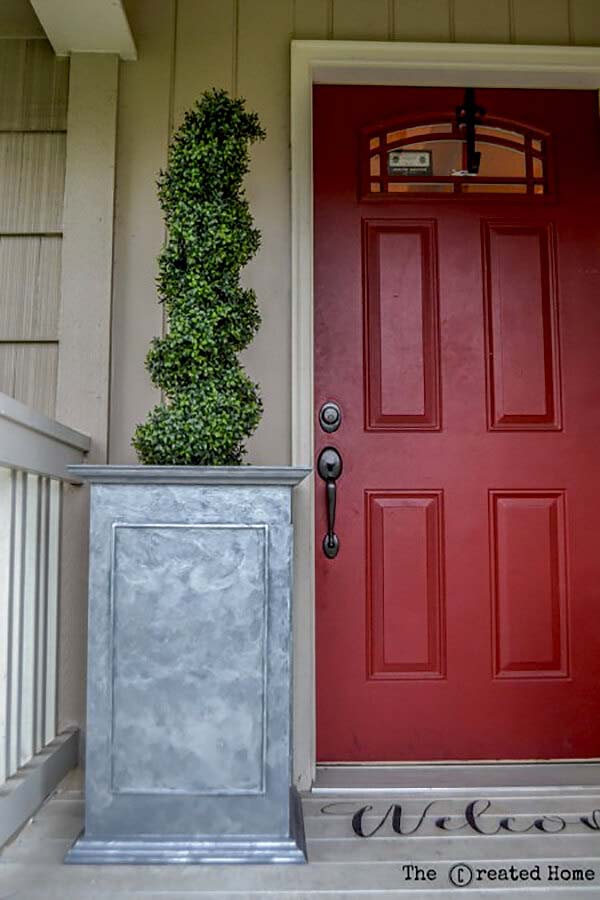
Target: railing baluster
(11, 624)
(43, 631)
(18, 610)
(6, 526)
(29, 619)
(39, 606)
(34, 455)
(55, 515)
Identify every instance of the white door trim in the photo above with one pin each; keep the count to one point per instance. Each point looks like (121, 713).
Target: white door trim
(371, 62)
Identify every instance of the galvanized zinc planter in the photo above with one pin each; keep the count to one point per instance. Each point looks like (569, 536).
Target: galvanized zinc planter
(188, 755)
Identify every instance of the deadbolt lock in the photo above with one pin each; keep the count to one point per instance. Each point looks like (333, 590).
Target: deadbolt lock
(330, 417)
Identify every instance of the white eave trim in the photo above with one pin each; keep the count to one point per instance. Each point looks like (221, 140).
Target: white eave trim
(439, 64)
(86, 26)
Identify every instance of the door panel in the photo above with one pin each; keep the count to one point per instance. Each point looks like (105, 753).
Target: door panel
(402, 362)
(459, 333)
(521, 331)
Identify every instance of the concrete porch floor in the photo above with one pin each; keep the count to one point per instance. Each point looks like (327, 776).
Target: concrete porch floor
(341, 864)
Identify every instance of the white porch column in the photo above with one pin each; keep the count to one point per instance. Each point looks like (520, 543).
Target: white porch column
(84, 367)
(83, 388)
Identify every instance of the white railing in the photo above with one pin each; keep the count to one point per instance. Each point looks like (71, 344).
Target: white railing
(34, 453)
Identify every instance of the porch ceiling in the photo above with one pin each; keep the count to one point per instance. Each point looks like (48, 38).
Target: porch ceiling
(86, 26)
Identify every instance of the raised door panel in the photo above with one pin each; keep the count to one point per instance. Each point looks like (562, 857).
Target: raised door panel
(521, 324)
(401, 325)
(405, 596)
(529, 593)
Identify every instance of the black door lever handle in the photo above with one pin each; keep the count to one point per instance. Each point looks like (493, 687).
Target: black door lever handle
(329, 467)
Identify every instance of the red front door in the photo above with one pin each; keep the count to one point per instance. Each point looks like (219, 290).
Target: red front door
(457, 326)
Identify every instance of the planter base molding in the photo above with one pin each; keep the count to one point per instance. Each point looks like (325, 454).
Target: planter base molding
(188, 753)
(86, 851)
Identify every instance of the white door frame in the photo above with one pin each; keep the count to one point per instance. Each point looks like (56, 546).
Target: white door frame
(372, 62)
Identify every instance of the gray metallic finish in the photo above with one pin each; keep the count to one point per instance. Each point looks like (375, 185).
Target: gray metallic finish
(189, 672)
(88, 851)
(157, 574)
(251, 475)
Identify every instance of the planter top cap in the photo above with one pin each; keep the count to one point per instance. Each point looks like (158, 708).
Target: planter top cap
(210, 475)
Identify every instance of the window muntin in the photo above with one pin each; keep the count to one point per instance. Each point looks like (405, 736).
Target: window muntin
(512, 161)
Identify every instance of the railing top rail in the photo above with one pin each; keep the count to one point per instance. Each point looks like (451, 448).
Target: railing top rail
(15, 411)
(36, 443)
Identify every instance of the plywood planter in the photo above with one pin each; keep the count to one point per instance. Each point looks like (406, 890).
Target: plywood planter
(189, 672)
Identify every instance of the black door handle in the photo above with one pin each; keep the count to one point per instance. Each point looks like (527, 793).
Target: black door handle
(329, 467)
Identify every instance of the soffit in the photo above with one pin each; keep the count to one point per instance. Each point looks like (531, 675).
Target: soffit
(86, 26)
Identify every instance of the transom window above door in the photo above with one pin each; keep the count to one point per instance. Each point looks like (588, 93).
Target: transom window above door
(420, 158)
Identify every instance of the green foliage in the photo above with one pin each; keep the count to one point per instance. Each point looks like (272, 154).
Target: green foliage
(210, 405)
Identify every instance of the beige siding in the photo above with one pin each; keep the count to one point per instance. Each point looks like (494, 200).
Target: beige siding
(585, 21)
(485, 22)
(267, 89)
(541, 21)
(312, 19)
(33, 107)
(205, 50)
(145, 94)
(243, 45)
(18, 20)
(29, 287)
(355, 20)
(32, 175)
(422, 20)
(33, 87)
(28, 373)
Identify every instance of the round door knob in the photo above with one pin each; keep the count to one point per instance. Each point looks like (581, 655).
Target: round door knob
(329, 464)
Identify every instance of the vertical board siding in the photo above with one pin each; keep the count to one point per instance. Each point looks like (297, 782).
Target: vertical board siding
(585, 21)
(206, 47)
(487, 21)
(312, 19)
(142, 136)
(355, 20)
(29, 548)
(266, 88)
(541, 21)
(422, 20)
(29, 288)
(33, 87)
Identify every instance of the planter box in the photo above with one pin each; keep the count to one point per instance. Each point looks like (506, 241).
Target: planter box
(189, 667)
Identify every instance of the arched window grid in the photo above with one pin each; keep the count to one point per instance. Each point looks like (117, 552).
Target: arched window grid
(514, 159)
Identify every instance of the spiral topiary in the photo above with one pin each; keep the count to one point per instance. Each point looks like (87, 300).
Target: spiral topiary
(210, 405)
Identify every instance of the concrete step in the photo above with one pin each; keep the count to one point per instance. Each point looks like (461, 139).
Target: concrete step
(342, 866)
(509, 804)
(508, 848)
(461, 779)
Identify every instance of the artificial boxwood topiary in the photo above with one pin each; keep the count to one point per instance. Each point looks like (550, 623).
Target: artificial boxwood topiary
(210, 405)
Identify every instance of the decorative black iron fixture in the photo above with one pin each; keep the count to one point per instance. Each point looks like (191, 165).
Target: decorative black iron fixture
(468, 116)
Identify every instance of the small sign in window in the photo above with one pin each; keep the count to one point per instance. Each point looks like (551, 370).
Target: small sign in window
(409, 162)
